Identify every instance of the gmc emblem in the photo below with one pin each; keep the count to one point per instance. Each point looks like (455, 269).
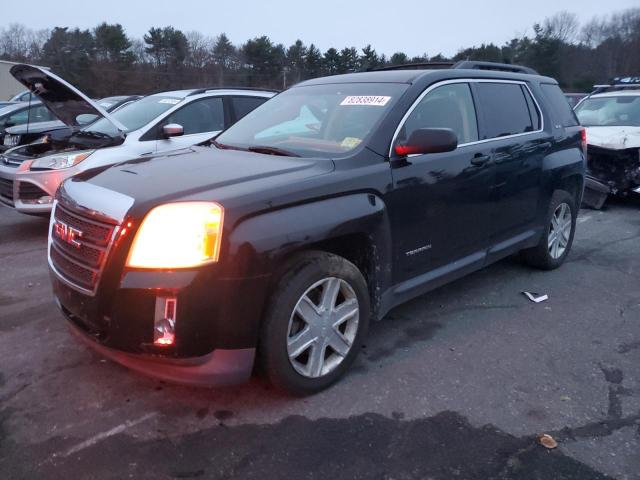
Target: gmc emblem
(67, 234)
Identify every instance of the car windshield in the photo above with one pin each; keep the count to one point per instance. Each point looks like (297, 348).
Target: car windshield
(619, 111)
(135, 115)
(314, 121)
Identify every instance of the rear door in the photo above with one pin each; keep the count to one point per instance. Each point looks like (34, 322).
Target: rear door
(511, 123)
(440, 204)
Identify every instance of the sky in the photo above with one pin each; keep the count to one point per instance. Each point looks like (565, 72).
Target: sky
(412, 26)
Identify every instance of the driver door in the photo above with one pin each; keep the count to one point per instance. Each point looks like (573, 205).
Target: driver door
(440, 204)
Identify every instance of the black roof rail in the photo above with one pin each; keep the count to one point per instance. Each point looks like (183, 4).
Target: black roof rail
(499, 67)
(414, 66)
(198, 91)
(466, 64)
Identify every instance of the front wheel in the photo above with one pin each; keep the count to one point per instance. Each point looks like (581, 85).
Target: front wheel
(557, 239)
(315, 324)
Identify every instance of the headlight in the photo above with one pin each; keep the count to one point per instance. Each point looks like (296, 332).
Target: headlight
(178, 235)
(62, 160)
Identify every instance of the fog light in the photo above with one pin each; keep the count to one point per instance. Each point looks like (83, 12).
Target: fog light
(164, 325)
(45, 199)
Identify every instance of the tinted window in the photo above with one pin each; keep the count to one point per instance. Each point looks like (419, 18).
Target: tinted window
(200, 116)
(449, 106)
(244, 105)
(504, 108)
(563, 114)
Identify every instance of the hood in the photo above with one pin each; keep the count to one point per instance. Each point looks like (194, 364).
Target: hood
(197, 171)
(614, 138)
(62, 99)
(38, 127)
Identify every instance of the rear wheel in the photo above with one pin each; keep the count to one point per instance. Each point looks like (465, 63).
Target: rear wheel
(557, 239)
(315, 324)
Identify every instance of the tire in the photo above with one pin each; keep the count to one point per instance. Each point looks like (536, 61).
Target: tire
(545, 255)
(308, 279)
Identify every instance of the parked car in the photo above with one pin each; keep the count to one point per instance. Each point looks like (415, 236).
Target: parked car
(7, 104)
(29, 132)
(25, 96)
(289, 240)
(20, 114)
(574, 98)
(612, 119)
(30, 174)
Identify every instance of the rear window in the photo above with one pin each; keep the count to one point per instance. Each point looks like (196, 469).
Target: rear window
(505, 110)
(562, 112)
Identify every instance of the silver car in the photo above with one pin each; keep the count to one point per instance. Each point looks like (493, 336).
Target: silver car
(162, 122)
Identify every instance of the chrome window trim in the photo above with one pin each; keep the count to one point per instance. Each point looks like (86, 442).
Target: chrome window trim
(469, 81)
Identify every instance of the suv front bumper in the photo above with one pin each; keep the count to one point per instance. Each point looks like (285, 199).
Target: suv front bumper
(216, 328)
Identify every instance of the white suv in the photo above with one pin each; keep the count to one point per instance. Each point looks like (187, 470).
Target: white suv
(162, 122)
(612, 120)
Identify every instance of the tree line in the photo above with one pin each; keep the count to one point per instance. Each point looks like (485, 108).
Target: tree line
(104, 60)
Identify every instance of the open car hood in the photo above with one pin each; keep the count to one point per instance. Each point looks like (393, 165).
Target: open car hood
(62, 99)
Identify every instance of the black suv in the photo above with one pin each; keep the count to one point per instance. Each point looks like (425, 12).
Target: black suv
(324, 208)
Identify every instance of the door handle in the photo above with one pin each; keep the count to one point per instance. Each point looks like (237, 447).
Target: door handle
(480, 159)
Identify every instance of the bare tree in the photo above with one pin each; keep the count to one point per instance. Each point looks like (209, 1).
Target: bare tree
(562, 26)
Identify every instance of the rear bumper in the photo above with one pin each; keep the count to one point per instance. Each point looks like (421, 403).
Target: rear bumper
(220, 367)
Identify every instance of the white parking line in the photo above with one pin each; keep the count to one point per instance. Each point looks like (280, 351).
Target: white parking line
(101, 436)
(584, 219)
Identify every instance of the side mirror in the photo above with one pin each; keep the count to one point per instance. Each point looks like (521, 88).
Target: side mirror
(428, 140)
(172, 130)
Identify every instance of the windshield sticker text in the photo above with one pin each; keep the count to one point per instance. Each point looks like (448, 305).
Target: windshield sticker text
(171, 101)
(376, 101)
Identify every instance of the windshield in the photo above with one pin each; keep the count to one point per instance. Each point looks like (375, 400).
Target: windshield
(135, 115)
(318, 120)
(623, 110)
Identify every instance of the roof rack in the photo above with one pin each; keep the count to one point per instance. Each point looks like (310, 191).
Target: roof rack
(617, 84)
(462, 64)
(499, 67)
(198, 91)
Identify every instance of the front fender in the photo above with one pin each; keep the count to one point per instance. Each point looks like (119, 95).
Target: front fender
(259, 244)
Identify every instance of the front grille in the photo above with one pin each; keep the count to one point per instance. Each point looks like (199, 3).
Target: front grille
(29, 191)
(6, 189)
(79, 259)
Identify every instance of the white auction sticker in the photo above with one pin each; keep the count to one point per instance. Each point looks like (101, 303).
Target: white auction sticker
(376, 101)
(170, 101)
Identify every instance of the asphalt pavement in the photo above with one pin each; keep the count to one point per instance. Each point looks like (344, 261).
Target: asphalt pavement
(456, 384)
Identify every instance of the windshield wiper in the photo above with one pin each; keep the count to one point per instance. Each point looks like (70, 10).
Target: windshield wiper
(272, 151)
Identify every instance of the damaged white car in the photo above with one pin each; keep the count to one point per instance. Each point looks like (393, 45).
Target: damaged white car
(162, 122)
(612, 121)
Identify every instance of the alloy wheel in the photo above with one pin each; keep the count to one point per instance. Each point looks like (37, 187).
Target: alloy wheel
(323, 327)
(560, 230)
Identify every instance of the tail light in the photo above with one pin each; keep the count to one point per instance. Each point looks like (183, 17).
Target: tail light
(583, 139)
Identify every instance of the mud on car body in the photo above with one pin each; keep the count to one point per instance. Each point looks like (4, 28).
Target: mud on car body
(322, 209)
(161, 122)
(611, 116)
